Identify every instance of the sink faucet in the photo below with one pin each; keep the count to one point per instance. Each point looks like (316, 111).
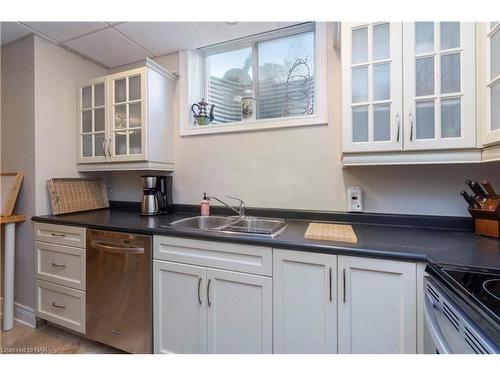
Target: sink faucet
(240, 211)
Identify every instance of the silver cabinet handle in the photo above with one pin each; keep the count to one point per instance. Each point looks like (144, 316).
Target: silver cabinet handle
(208, 293)
(58, 306)
(398, 122)
(330, 282)
(109, 147)
(411, 125)
(104, 147)
(111, 248)
(199, 286)
(343, 284)
(58, 265)
(58, 235)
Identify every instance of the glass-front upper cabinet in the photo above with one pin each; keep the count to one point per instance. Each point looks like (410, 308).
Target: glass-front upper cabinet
(492, 84)
(127, 114)
(371, 86)
(92, 140)
(439, 85)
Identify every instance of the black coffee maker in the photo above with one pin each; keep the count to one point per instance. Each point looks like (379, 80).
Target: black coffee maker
(164, 194)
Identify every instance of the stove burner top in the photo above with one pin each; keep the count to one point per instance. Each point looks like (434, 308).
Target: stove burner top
(492, 287)
(483, 287)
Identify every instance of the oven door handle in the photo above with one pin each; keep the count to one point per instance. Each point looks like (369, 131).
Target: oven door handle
(109, 248)
(436, 333)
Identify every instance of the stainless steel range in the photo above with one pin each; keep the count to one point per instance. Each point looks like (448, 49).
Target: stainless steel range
(462, 309)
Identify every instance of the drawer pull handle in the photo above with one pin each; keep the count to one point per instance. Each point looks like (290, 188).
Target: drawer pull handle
(58, 265)
(58, 306)
(58, 235)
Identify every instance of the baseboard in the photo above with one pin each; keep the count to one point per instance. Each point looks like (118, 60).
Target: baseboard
(22, 314)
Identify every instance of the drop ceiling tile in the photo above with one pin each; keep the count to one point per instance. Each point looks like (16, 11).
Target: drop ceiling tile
(62, 31)
(12, 30)
(217, 32)
(164, 37)
(109, 47)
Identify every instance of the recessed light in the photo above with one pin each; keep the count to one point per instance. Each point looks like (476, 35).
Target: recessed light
(232, 23)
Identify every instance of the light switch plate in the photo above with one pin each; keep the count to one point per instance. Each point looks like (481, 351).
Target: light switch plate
(354, 199)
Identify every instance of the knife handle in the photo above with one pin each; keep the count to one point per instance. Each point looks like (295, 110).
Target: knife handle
(468, 199)
(489, 189)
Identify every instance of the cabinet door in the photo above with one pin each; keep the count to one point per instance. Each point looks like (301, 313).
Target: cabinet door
(179, 308)
(239, 313)
(305, 302)
(439, 85)
(371, 86)
(92, 135)
(491, 133)
(377, 306)
(128, 118)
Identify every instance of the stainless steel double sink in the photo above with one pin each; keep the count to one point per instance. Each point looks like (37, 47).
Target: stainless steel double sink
(233, 224)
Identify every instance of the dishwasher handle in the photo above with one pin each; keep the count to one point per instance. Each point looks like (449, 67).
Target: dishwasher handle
(433, 325)
(112, 248)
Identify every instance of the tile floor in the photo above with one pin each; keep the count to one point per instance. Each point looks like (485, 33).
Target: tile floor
(48, 339)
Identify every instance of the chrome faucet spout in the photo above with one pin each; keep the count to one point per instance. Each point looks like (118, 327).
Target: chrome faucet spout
(240, 211)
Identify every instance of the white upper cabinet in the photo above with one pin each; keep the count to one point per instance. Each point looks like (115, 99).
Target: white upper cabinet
(491, 131)
(371, 86)
(439, 85)
(92, 129)
(126, 121)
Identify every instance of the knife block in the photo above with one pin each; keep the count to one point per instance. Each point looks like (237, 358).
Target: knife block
(487, 218)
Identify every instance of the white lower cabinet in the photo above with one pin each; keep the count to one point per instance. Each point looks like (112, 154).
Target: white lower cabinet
(305, 302)
(198, 309)
(239, 313)
(377, 310)
(179, 308)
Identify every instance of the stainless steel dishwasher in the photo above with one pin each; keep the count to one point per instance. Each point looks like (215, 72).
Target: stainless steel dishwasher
(119, 290)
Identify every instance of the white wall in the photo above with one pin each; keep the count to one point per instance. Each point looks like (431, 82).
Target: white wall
(39, 112)
(300, 168)
(57, 73)
(18, 152)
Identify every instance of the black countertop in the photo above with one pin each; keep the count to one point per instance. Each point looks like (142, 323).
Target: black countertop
(454, 247)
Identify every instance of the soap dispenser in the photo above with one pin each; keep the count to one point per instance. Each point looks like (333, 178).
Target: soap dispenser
(205, 205)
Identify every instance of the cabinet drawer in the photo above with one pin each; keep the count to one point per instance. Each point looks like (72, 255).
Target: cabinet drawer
(244, 258)
(60, 234)
(59, 264)
(60, 305)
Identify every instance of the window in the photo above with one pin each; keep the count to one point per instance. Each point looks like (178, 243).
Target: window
(275, 79)
(275, 75)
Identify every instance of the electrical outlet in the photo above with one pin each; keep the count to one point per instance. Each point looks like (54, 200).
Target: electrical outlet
(354, 199)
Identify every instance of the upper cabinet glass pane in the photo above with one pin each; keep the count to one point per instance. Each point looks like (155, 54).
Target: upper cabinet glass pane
(450, 35)
(359, 85)
(360, 45)
(87, 121)
(134, 88)
(381, 41)
(286, 76)
(495, 55)
(450, 73)
(424, 37)
(495, 106)
(120, 90)
(230, 78)
(99, 95)
(381, 81)
(87, 97)
(424, 79)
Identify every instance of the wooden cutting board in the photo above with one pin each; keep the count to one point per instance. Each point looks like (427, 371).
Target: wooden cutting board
(331, 232)
(77, 194)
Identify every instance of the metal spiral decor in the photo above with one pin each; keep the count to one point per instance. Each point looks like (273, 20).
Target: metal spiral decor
(298, 90)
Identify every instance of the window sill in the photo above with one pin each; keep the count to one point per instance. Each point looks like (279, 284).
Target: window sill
(246, 126)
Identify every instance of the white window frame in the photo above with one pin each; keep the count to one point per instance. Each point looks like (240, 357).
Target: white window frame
(193, 85)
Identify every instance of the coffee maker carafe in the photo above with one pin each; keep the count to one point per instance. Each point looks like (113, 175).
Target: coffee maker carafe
(149, 204)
